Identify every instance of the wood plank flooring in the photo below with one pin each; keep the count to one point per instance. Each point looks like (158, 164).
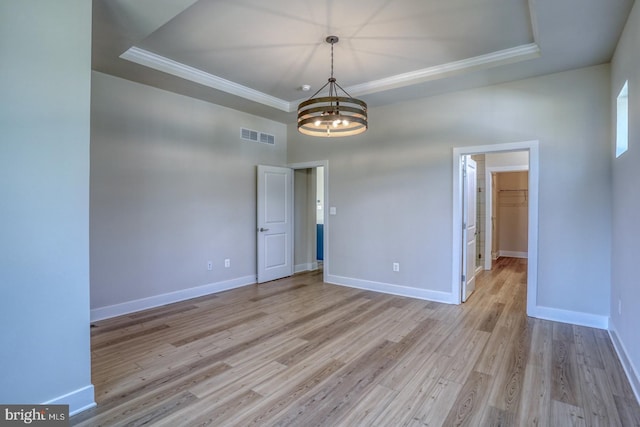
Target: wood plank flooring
(299, 352)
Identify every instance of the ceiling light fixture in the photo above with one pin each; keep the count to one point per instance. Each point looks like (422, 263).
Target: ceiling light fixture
(332, 115)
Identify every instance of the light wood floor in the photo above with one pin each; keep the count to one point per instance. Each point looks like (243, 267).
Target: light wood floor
(303, 353)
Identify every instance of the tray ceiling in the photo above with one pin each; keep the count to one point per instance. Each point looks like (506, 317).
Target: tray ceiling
(256, 56)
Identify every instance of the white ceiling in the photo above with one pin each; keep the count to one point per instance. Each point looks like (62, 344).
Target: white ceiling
(255, 56)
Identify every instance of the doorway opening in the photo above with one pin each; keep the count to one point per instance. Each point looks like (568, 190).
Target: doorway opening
(460, 236)
(310, 216)
(507, 222)
(287, 205)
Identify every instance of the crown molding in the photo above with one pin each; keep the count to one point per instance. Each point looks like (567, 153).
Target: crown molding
(169, 66)
(493, 59)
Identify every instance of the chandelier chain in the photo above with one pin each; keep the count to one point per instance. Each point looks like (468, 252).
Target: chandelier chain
(332, 59)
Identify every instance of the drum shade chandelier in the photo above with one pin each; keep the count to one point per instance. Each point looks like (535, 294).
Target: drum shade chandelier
(332, 115)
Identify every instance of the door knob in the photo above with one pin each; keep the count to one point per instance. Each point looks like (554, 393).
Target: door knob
(263, 229)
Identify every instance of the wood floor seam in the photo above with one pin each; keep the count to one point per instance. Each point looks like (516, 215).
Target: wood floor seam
(300, 352)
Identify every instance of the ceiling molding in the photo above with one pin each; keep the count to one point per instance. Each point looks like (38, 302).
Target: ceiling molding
(549, 37)
(169, 66)
(494, 59)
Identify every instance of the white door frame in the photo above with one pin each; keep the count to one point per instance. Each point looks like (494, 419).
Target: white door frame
(325, 239)
(488, 234)
(532, 264)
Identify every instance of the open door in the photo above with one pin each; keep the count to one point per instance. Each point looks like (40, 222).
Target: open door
(469, 230)
(274, 223)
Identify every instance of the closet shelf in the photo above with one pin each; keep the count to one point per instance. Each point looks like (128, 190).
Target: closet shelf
(513, 197)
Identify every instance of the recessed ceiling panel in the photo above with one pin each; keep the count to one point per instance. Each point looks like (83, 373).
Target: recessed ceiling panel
(254, 55)
(277, 46)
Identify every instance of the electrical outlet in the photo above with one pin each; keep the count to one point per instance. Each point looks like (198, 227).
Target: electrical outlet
(227, 263)
(396, 266)
(209, 265)
(619, 306)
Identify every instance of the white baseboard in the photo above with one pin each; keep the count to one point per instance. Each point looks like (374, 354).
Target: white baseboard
(127, 307)
(387, 288)
(513, 254)
(629, 369)
(573, 317)
(78, 400)
(309, 266)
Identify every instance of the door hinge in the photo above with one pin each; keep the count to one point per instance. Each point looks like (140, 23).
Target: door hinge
(463, 278)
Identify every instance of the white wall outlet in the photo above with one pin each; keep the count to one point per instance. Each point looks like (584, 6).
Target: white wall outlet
(396, 266)
(227, 263)
(209, 265)
(332, 210)
(619, 306)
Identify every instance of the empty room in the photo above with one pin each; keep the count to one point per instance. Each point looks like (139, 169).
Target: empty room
(382, 212)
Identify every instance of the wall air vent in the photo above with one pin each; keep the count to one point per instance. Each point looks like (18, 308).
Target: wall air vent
(255, 136)
(265, 138)
(248, 134)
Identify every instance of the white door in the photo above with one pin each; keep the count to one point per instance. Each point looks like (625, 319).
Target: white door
(469, 194)
(274, 223)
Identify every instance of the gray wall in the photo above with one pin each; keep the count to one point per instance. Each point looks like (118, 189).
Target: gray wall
(392, 186)
(625, 286)
(172, 187)
(44, 201)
